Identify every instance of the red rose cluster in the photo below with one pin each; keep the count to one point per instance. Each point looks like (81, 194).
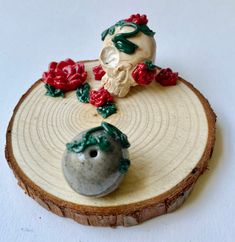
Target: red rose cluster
(98, 72)
(144, 73)
(65, 75)
(166, 77)
(100, 97)
(137, 19)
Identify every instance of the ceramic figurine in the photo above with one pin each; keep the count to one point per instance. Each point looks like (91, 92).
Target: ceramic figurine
(125, 45)
(96, 160)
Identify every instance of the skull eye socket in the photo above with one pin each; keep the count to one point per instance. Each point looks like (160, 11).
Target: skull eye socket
(109, 56)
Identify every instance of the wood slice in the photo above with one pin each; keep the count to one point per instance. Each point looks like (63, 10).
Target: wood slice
(171, 131)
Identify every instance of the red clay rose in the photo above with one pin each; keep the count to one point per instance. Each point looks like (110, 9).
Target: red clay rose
(98, 72)
(137, 19)
(166, 77)
(144, 73)
(100, 97)
(65, 75)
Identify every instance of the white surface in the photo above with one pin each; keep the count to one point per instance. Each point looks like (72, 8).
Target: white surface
(196, 38)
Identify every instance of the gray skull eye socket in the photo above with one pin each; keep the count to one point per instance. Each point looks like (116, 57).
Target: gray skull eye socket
(93, 153)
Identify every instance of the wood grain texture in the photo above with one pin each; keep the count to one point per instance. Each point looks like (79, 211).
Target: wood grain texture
(172, 135)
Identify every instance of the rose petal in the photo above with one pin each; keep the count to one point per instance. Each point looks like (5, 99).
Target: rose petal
(52, 66)
(74, 76)
(61, 65)
(70, 61)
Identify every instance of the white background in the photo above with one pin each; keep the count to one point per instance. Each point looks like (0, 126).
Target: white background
(195, 38)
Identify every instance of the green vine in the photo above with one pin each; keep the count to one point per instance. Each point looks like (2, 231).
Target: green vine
(122, 43)
(88, 140)
(109, 31)
(120, 40)
(116, 134)
(103, 143)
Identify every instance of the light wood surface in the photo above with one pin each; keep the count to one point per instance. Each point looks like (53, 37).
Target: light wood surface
(171, 131)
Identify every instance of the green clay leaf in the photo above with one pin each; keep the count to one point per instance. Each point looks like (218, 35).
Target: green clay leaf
(83, 93)
(91, 140)
(104, 34)
(124, 45)
(116, 134)
(124, 141)
(53, 92)
(124, 165)
(150, 65)
(120, 23)
(103, 143)
(109, 31)
(146, 30)
(107, 110)
(75, 146)
(112, 30)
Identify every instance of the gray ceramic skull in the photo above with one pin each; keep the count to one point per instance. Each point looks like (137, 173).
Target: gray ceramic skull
(96, 160)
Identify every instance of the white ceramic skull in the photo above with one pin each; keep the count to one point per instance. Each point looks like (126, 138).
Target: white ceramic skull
(119, 65)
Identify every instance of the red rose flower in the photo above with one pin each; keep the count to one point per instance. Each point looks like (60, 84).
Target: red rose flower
(100, 97)
(144, 73)
(137, 19)
(98, 72)
(66, 75)
(166, 77)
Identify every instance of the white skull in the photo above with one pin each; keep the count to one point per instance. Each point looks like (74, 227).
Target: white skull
(119, 65)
